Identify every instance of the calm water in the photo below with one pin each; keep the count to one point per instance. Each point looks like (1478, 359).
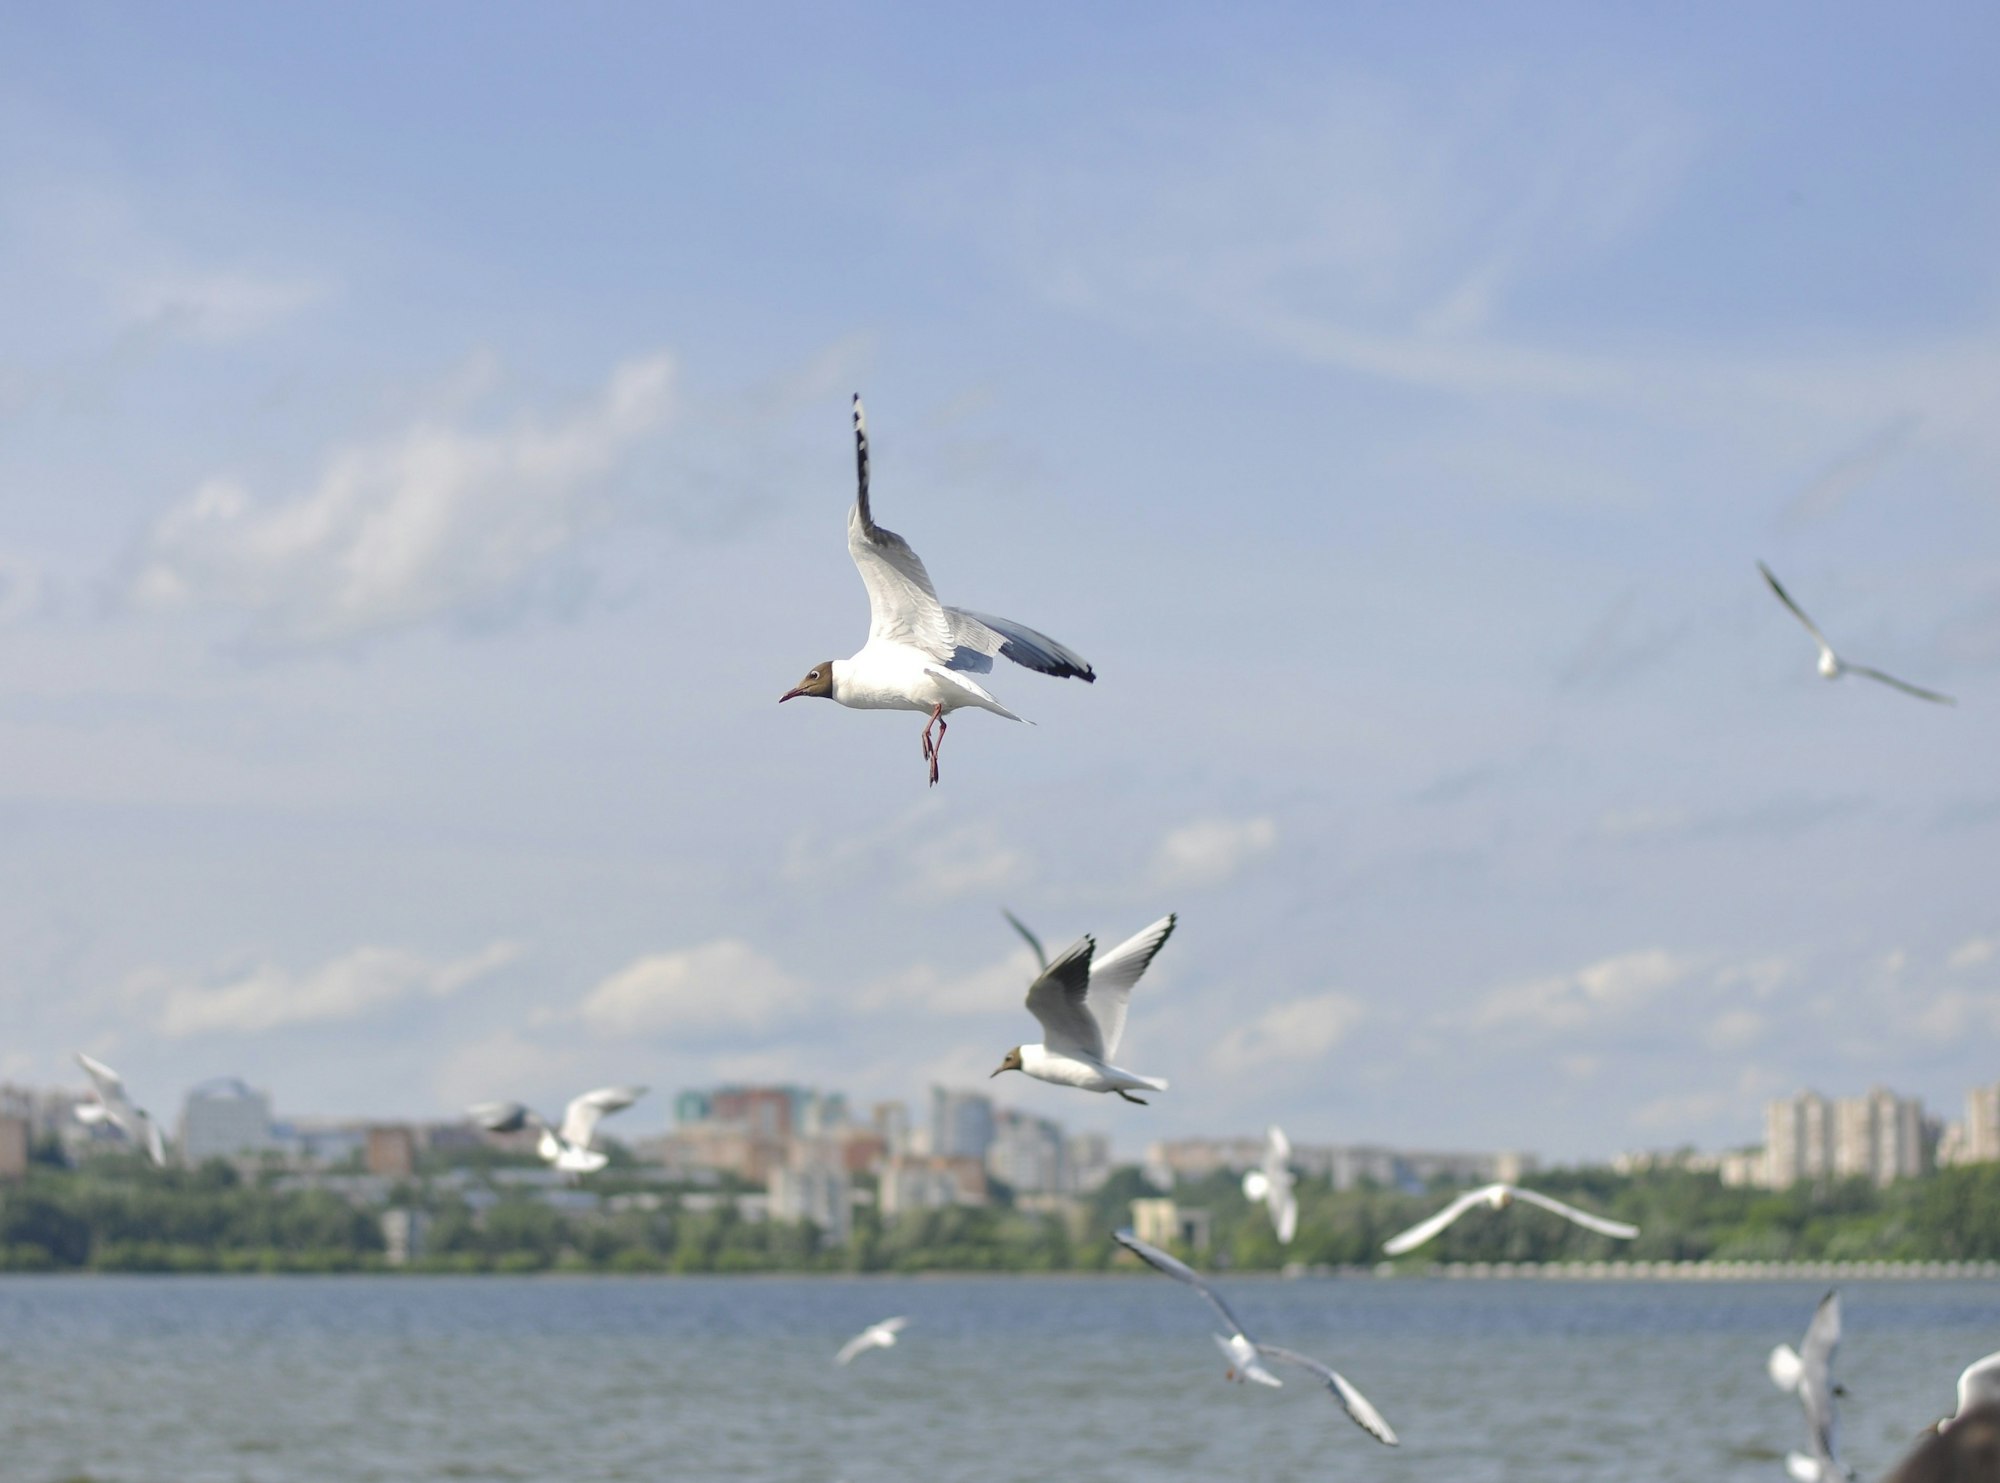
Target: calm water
(337, 1380)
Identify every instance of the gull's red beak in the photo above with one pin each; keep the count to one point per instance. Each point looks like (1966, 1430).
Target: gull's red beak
(795, 690)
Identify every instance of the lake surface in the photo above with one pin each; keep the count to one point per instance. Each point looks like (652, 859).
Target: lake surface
(575, 1380)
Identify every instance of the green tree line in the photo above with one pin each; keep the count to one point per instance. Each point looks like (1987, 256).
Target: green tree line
(119, 1214)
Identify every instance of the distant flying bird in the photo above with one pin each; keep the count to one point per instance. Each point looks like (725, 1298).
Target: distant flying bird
(1807, 1372)
(1831, 664)
(569, 1146)
(920, 654)
(1978, 1386)
(113, 1106)
(1246, 1354)
(1238, 1345)
(1272, 1184)
(1082, 1009)
(1499, 1197)
(876, 1336)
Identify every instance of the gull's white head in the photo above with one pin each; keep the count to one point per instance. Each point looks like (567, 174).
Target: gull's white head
(1829, 663)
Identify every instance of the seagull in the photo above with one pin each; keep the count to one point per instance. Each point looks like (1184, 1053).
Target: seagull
(1246, 1354)
(115, 1107)
(1807, 1373)
(1273, 1184)
(1499, 1197)
(1831, 664)
(920, 654)
(1978, 1386)
(876, 1336)
(1082, 1010)
(568, 1147)
(1242, 1350)
(1365, 1415)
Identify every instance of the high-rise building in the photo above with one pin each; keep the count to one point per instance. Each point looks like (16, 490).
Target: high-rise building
(13, 1147)
(225, 1119)
(1879, 1137)
(1028, 1154)
(962, 1125)
(817, 1192)
(1798, 1138)
(1982, 1125)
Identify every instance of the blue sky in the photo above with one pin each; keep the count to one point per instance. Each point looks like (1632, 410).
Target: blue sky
(424, 460)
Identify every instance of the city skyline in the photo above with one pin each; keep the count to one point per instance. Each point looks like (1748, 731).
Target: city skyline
(418, 481)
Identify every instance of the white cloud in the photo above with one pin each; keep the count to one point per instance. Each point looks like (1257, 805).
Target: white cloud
(720, 985)
(1301, 1029)
(218, 305)
(999, 986)
(1208, 852)
(268, 996)
(971, 860)
(395, 532)
(1570, 999)
(1959, 1012)
(929, 859)
(1973, 952)
(1735, 1029)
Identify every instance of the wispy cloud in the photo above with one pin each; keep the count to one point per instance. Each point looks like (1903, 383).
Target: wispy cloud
(1298, 1030)
(1567, 1000)
(720, 985)
(1209, 852)
(269, 997)
(391, 533)
(217, 305)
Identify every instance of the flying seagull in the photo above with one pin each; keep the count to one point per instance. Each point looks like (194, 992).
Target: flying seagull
(1978, 1386)
(1082, 1009)
(1246, 1354)
(1831, 664)
(115, 1107)
(920, 654)
(1499, 1197)
(876, 1336)
(1242, 1350)
(569, 1146)
(1807, 1373)
(1272, 1184)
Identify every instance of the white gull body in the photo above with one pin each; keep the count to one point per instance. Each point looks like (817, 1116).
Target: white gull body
(1807, 1372)
(876, 1336)
(1978, 1385)
(1081, 1006)
(115, 1107)
(568, 1147)
(1246, 1355)
(1499, 1197)
(1272, 1184)
(1831, 665)
(920, 654)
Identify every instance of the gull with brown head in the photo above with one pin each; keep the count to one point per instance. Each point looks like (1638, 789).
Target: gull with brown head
(1081, 1006)
(920, 654)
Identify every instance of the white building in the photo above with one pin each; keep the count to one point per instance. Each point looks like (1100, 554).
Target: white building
(224, 1119)
(962, 1124)
(1879, 1137)
(820, 1193)
(1028, 1154)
